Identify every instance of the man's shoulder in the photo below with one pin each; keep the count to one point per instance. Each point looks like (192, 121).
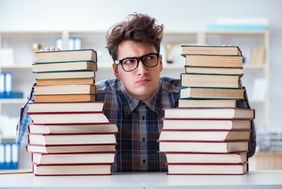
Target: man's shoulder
(170, 84)
(108, 85)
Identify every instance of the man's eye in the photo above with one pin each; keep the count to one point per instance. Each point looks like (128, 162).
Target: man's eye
(129, 61)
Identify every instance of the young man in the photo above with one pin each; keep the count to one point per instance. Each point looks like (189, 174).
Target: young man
(135, 98)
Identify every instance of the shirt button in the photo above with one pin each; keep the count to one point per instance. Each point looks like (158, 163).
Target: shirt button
(143, 139)
(143, 117)
(144, 161)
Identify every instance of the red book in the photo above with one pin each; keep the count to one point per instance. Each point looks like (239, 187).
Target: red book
(72, 139)
(77, 148)
(68, 117)
(72, 170)
(207, 169)
(73, 158)
(61, 128)
(204, 135)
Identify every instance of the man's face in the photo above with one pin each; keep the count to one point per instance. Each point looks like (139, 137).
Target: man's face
(142, 82)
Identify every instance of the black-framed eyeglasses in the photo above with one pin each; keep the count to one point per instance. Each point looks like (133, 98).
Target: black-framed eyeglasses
(131, 63)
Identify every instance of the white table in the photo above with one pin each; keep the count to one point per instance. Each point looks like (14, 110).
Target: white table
(252, 180)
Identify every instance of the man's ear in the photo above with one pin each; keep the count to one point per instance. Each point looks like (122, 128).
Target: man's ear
(161, 62)
(115, 68)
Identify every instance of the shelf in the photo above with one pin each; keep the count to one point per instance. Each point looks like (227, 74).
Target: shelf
(253, 66)
(13, 101)
(18, 66)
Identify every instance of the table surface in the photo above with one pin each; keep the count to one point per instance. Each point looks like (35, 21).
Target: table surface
(253, 179)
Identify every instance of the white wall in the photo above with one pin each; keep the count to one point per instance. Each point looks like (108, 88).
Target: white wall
(174, 14)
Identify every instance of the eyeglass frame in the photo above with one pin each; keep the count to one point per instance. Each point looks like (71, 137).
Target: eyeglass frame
(138, 60)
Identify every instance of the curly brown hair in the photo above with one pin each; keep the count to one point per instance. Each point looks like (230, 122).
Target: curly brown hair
(139, 27)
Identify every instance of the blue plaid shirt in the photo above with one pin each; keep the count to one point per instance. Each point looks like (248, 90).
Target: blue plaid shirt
(138, 123)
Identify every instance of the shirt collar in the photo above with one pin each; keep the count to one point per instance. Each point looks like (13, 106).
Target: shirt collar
(130, 103)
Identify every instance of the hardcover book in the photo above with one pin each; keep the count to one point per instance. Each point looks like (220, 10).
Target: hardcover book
(211, 50)
(65, 107)
(67, 148)
(209, 113)
(72, 128)
(209, 80)
(66, 98)
(66, 75)
(68, 117)
(71, 139)
(214, 61)
(66, 55)
(207, 135)
(206, 124)
(211, 93)
(73, 158)
(207, 169)
(64, 67)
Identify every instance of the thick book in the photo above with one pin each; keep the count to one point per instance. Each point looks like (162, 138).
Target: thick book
(66, 75)
(72, 128)
(66, 55)
(71, 139)
(207, 169)
(206, 103)
(214, 61)
(209, 80)
(211, 50)
(66, 98)
(73, 158)
(204, 135)
(206, 124)
(75, 169)
(203, 158)
(203, 147)
(77, 81)
(214, 70)
(209, 113)
(211, 93)
(64, 67)
(111, 147)
(64, 89)
(68, 117)
(65, 107)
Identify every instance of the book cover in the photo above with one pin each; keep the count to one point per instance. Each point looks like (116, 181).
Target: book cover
(71, 139)
(68, 117)
(66, 75)
(73, 158)
(206, 158)
(211, 93)
(207, 169)
(68, 170)
(66, 98)
(206, 103)
(65, 107)
(214, 70)
(66, 55)
(76, 81)
(209, 113)
(209, 80)
(203, 147)
(204, 135)
(64, 67)
(226, 61)
(75, 148)
(72, 128)
(211, 50)
(206, 124)
(64, 89)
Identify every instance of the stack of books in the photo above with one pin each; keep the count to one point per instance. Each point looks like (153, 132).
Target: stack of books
(70, 134)
(207, 134)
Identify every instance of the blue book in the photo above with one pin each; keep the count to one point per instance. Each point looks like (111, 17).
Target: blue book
(2, 156)
(2, 85)
(15, 156)
(8, 86)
